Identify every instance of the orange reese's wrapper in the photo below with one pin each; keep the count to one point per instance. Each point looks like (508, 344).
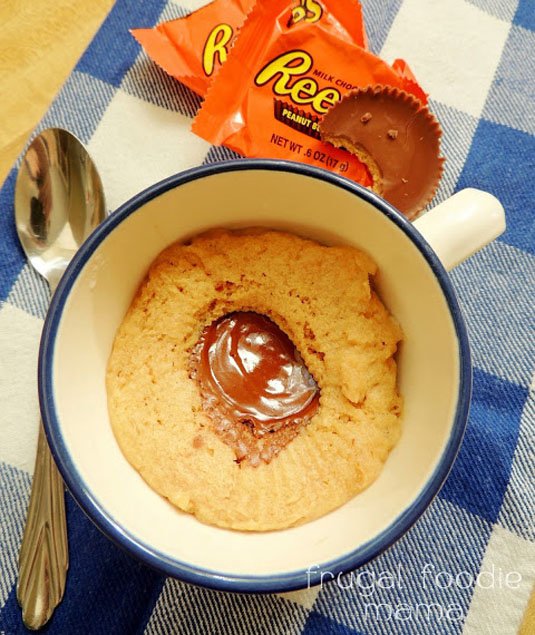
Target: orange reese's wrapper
(192, 48)
(284, 72)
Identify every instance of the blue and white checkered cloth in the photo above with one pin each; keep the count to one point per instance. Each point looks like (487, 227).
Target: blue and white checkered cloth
(476, 58)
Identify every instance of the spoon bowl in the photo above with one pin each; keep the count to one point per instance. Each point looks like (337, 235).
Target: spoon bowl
(59, 200)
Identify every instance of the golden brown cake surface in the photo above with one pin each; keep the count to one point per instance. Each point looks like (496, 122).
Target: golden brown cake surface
(322, 299)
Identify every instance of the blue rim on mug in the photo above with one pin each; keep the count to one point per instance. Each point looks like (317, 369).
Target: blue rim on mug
(271, 583)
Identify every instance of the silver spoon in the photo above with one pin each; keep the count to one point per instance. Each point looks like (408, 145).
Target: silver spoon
(59, 200)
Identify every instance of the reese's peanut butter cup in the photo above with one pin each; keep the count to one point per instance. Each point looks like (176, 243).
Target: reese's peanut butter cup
(290, 63)
(254, 385)
(396, 137)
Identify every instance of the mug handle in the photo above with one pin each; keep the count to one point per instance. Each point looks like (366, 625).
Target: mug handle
(462, 225)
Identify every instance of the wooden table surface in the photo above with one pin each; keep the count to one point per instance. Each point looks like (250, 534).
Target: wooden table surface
(40, 42)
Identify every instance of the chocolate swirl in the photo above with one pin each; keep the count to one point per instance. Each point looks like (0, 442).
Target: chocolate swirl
(254, 384)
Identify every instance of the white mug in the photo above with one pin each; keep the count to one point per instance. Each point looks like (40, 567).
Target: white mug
(434, 365)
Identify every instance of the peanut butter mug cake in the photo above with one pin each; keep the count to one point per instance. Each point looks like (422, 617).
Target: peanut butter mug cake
(252, 381)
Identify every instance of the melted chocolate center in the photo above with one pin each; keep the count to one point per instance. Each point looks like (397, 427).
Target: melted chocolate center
(253, 367)
(253, 382)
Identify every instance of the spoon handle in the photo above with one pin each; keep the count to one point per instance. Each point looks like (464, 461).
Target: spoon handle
(43, 556)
